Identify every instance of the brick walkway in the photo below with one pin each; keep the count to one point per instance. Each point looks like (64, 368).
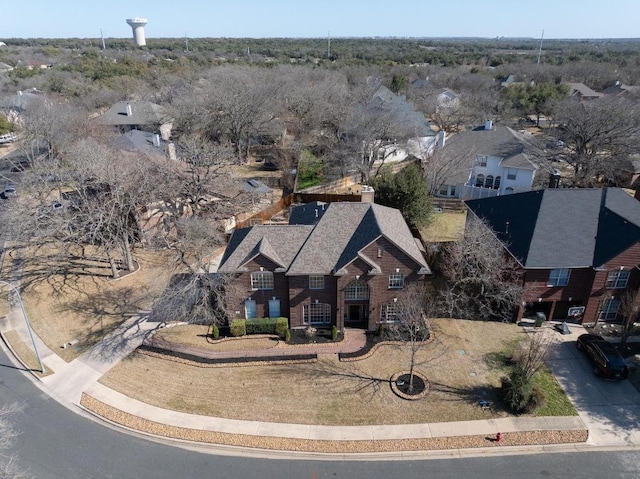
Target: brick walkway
(355, 340)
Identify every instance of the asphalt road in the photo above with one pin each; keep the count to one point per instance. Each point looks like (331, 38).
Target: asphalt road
(55, 442)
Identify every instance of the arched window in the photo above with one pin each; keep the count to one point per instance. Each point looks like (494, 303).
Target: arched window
(496, 183)
(488, 183)
(480, 180)
(357, 289)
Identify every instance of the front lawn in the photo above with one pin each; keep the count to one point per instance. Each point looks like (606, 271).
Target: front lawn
(459, 364)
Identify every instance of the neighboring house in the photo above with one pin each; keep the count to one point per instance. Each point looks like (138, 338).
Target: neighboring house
(620, 89)
(141, 115)
(139, 141)
(421, 138)
(582, 92)
(487, 161)
(579, 249)
(446, 99)
(337, 264)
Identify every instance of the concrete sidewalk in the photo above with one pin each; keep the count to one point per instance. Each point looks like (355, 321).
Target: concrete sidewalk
(70, 381)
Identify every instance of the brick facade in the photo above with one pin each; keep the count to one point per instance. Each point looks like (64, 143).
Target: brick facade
(586, 287)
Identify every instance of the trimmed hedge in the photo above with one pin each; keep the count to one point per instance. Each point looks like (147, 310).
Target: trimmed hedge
(238, 327)
(267, 326)
(215, 331)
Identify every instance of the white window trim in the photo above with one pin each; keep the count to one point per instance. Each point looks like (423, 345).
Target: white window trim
(610, 308)
(360, 290)
(321, 315)
(560, 279)
(387, 310)
(258, 282)
(396, 281)
(614, 280)
(316, 281)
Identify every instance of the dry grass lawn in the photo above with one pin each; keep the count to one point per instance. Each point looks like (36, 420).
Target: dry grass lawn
(83, 303)
(445, 226)
(460, 364)
(196, 335)
(26, 354)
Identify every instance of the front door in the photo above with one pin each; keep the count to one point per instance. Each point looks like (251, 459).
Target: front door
(357, 315)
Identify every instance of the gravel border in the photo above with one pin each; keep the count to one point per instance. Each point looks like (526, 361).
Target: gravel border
(523, 438)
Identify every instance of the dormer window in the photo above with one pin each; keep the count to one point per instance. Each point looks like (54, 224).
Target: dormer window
(482, 161)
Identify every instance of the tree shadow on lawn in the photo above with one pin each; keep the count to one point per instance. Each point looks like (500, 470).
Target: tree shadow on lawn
(344, 379)
(473, 396)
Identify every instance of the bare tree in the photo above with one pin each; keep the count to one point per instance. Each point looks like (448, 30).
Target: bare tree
(598, 135)
(9, 468)
(413, 324)
(629, 309)
(531, 353)
(238, 105)
(483, 282)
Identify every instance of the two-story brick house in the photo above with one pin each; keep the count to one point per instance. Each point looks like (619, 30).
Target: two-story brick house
(340, 264)
(579, 248)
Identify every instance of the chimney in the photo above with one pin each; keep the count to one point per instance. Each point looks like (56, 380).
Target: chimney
(367, 194)
(129, 110)
(442, 137)
(19, 92)
(488, 125)
(156, 140)
(554, 179)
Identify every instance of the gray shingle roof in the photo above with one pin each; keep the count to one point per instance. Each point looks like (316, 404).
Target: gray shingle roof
(327, 246)
(501, 141)
(563, 228)
(142, 113)
(280, 244)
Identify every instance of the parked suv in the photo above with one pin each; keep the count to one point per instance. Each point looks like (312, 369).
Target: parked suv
(605, 358)
(9, 191)
(8, 138)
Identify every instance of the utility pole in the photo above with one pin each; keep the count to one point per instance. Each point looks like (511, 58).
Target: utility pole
(102, 37)
(26, 320)
(329, 45)
(186, 41)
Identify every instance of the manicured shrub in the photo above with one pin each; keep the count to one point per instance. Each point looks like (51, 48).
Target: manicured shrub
(238, 327)
(282, 326)
(287, 335)
(267, 326)
(215, 331)
(519, 394)
(334, 333)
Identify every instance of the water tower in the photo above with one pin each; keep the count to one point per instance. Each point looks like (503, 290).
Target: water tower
(137, 25)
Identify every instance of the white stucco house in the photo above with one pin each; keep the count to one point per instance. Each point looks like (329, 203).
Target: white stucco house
(487, 161)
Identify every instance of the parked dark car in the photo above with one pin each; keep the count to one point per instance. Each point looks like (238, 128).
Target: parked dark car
(605, 358)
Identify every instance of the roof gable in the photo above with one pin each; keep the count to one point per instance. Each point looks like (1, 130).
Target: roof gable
(335, 240)
(563, 228)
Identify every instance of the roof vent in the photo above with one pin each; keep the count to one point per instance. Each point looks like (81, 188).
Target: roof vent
(129, 110)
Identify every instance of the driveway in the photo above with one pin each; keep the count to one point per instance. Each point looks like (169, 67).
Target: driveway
(611, 410)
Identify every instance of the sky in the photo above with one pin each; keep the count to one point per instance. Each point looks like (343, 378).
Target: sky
(337, 18)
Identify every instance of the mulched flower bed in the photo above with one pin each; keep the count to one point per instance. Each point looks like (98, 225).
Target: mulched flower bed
(320, 336)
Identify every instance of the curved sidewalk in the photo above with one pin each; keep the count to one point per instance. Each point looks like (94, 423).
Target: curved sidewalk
(77, 383)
